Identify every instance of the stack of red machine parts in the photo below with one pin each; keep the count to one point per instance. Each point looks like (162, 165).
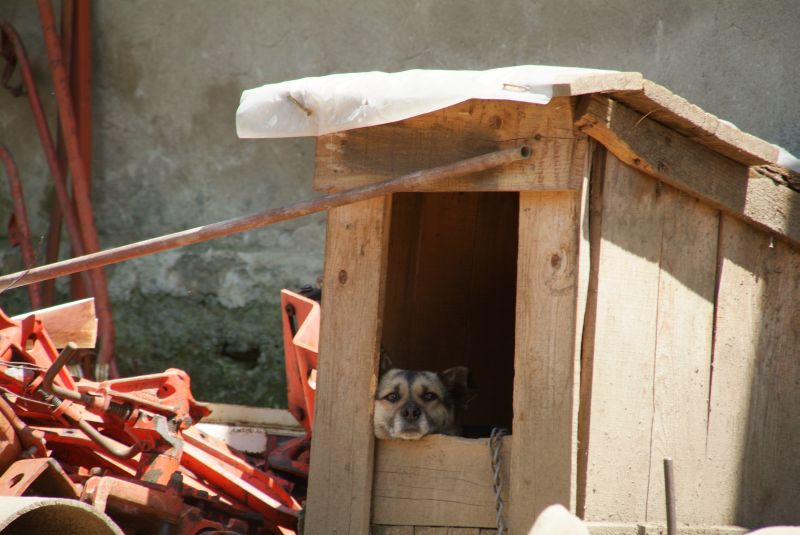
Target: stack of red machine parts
(128, 446)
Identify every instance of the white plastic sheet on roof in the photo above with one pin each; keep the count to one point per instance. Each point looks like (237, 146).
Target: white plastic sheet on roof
(326, 104)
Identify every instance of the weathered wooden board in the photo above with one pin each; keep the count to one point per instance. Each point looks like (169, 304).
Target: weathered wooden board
(342, 452)
(367, 155)
(663, 106)
(722, 182)
(754, 433)
(436, 481)
(427, 530)
(545, 426)
(684, 333)
(624, 340)
(71, 322)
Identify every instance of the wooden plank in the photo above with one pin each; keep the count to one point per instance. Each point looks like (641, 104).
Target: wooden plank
(738, 313)
(544, 424)
(624, 338)
(367, 155)
(436, 481)
(593, 213)
(608, 528)
(684, 333)
(340, 481)
(677, 160)
(392, 530)
(663, 106)
(754, 433)
(71, 322)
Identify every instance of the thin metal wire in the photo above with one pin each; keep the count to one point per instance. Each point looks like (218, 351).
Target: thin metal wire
(7, 392)
(23, 366)
(495, 445)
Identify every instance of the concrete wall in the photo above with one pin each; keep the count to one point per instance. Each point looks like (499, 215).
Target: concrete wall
(167, 81)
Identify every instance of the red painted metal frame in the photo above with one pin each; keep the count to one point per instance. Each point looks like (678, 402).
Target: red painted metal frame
(91, 425)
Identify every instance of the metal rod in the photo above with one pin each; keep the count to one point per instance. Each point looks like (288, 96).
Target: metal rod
(409, 182)
(54, 231)
(59, 181)
(21, 221)
(47, 383)
(669, 482)
(80, 180)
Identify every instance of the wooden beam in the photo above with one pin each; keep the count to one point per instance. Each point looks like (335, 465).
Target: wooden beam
(436, 481)
(677, 160)
(543, 460)
(340, 483)
(662, 105)
(368, 155)
(71, 322)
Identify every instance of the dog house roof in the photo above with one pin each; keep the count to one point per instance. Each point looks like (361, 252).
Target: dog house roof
(323, 105)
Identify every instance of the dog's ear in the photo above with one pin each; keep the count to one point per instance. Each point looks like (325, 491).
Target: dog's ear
(385, 362)
(459, 383)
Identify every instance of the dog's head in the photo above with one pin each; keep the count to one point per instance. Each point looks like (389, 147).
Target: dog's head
(412, 404)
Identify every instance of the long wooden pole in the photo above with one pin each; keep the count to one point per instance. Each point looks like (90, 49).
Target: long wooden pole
(409, 182)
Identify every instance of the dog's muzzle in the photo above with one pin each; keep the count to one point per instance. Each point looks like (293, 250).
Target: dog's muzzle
(410, 422)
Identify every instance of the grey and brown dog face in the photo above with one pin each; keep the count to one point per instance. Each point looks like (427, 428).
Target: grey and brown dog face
(412, 404)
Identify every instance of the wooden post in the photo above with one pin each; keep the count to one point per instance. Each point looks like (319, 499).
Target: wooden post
(340, 483)
(542, 462)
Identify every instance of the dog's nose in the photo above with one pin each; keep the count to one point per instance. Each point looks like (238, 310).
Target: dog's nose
(410, 412)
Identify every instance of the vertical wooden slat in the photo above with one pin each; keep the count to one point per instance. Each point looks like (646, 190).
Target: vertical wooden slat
(754, 432)
(769, 493)
(340, 483)
(624, 341)
(684, 331)
(542, 464)
(738, 314)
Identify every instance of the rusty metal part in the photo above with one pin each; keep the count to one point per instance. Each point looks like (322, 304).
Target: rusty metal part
(38, 477)
(292, 457)
(20, 223)
(47, 383)
(13, 51)
(31, 441)
(409, 182)
(80, 186)
(301, 320)
(240, 480)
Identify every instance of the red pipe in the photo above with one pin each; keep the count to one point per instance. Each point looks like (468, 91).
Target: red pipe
(21, 218)
(73, 229)
(54, 232)
(80, 181)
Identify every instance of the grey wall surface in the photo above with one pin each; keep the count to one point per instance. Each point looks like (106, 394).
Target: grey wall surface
(167, 81)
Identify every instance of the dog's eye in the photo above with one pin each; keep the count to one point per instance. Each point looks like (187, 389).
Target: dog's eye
(429, 396)
(392, 397)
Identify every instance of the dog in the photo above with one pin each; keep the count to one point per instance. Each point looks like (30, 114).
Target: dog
(412, 404)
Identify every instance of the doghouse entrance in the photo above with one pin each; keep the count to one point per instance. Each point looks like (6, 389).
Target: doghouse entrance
(451, 293)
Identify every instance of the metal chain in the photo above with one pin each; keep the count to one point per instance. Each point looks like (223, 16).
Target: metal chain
(495, 445)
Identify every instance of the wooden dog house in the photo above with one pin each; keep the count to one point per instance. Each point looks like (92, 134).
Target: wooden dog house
(628, 293)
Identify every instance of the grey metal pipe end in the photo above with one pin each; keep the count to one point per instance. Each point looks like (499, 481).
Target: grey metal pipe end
(61, 516)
